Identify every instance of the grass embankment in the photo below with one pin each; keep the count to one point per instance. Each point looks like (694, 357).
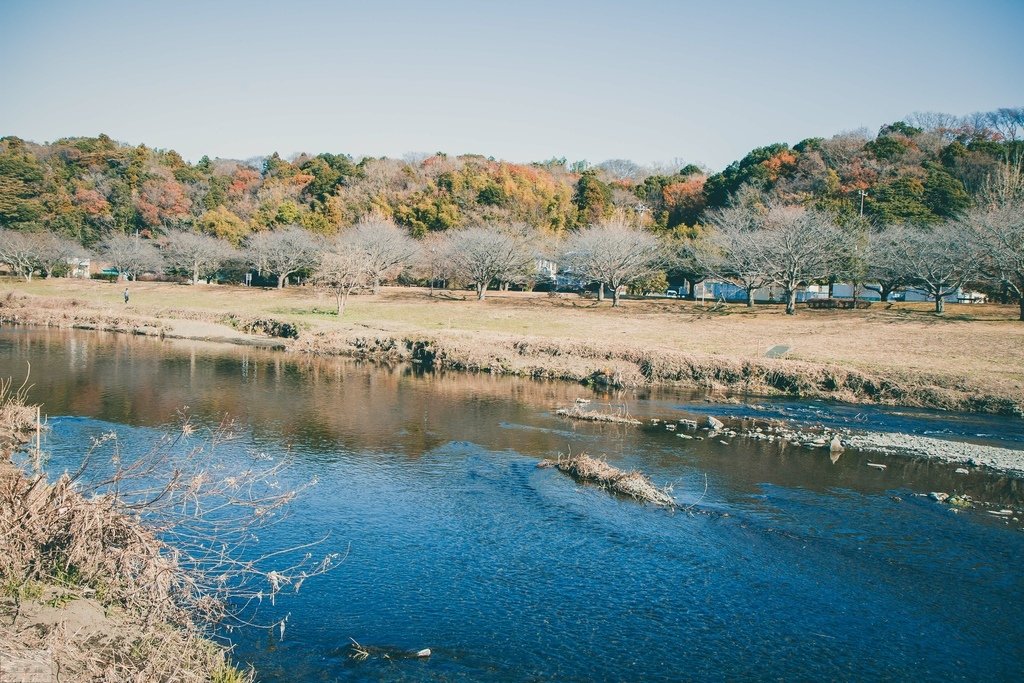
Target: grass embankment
(971, 358)
(87, 593)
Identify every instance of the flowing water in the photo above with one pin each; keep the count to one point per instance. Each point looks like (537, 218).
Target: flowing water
(789, 566)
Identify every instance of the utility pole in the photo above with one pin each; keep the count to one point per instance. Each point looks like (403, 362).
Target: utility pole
(862, 194)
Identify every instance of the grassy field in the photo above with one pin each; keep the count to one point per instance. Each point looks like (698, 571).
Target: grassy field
(978, 346)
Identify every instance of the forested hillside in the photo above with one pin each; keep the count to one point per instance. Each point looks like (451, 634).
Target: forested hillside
(923, 170)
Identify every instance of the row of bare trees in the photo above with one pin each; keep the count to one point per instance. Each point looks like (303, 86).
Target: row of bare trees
(754, 244)
(759, 244)
(25, 253)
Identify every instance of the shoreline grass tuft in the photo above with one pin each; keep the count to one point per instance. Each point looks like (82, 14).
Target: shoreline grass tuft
(634, 484)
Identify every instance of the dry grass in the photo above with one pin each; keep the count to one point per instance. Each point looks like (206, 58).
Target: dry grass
(578, 413)
(100, 592)
(598, 472)
(969, 358)
(123, 576)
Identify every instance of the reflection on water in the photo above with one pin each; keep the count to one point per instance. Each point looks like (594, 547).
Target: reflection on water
(808, 568)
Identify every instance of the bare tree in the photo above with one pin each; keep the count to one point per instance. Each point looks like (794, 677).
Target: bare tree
(483, 254)
(737, 258)
(56, 254)
(520, 268)
(1008, 122)
(998, 225)
(130, 255)
(342, 268)
(614, 253)
(387, 249)
(18, 252)
(201, 256)
(939, 260)
(886, 268)
(945, 125)
(1005, 186)
(694, 259)
(796, 246)
(624, 169)
(283, 252)
(432, 262)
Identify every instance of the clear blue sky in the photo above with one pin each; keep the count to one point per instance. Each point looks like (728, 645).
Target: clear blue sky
(649, 81)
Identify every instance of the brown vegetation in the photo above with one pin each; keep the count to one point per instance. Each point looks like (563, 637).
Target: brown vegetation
(578, 413)
(87, 590)
(634, 484)
(124, 576)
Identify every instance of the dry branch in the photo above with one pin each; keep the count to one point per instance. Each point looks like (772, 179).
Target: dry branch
(160, 545)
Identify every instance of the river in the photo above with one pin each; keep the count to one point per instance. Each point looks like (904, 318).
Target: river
(789, 566)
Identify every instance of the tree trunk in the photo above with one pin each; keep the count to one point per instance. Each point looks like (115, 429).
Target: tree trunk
(600, 292)
(691, 289)
(1020, 301)
(481, 291)
(885, 292)
(376, 285)
(195, 275)
(615, 296)
(750, 298)
(280, 280)
(791, 301)
(940, 303)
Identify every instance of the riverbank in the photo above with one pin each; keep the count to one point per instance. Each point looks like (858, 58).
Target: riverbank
(86, 592)
(971, 359)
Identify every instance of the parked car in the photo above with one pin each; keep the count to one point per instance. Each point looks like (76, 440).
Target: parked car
(672, 294)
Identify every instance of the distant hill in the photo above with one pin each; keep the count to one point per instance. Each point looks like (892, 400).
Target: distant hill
(922, 170)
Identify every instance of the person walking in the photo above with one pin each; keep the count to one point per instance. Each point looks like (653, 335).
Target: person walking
(126, 295)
